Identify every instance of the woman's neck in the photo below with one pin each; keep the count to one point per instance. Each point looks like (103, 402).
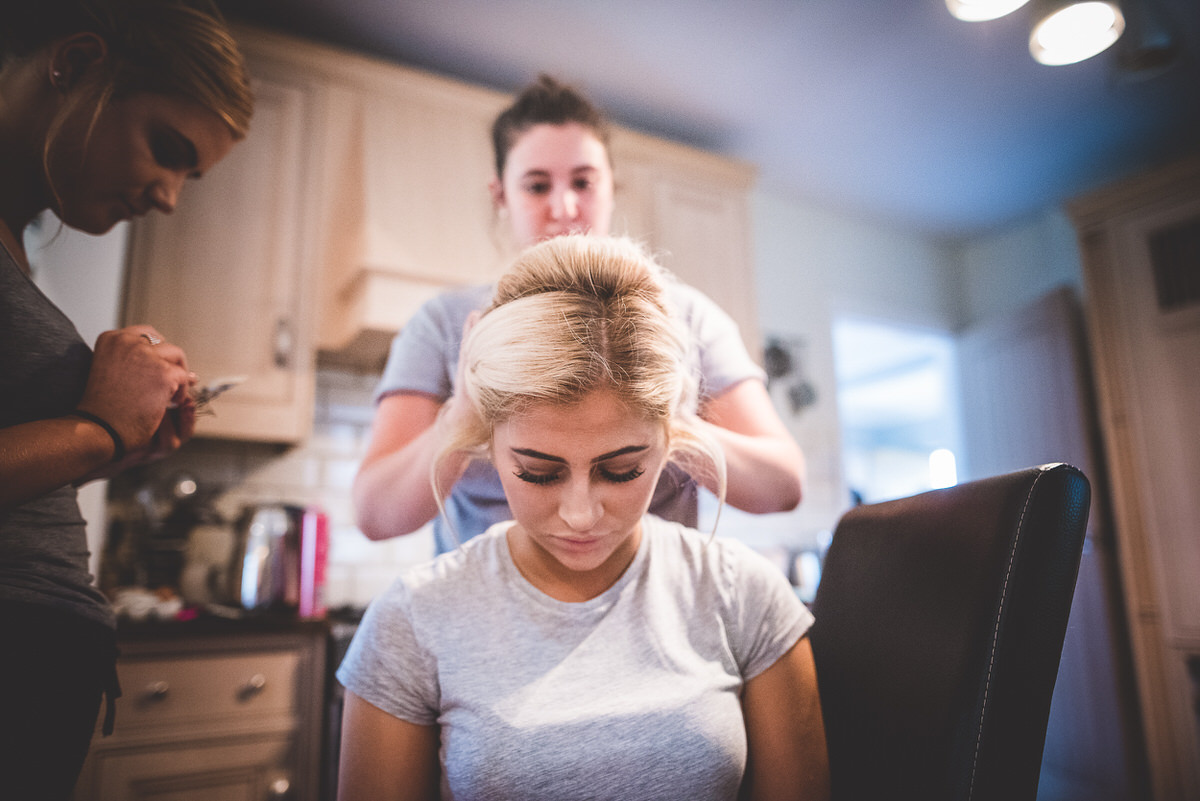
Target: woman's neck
(551, 577)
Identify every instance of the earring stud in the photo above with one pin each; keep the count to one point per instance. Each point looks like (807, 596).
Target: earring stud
(56, 79)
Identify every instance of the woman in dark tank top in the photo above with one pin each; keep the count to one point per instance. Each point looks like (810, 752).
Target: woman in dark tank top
(106, 108)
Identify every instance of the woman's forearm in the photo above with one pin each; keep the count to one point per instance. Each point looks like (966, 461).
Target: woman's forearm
(392, 492)
(764, 465)
(41, 456)
(764, 473)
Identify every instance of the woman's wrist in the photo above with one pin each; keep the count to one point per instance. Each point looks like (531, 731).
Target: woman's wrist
(118, 443)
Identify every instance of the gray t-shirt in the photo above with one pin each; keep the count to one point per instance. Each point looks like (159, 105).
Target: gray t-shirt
(424, 359)
(633, 695)
(44, 366)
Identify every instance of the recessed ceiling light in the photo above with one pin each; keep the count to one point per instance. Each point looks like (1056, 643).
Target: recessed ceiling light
(1067, 32)
(979, 10)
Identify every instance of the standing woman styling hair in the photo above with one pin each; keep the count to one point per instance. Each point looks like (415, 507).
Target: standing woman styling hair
(106, 108)
(585, 649)
(553, 177)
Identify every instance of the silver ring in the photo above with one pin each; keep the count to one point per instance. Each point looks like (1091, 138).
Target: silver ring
(153, 340)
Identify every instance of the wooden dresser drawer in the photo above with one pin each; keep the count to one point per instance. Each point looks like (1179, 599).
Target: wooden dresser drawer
(228, 687)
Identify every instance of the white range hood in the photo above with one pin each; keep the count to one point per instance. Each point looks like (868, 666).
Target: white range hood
(411, 215)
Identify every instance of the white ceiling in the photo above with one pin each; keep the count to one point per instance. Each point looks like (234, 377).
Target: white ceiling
(891, 110)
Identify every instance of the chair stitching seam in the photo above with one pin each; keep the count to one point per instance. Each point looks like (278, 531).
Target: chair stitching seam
(987, 684)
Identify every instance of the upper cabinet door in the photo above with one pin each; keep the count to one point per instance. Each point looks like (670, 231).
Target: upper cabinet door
(227, 277)
(692, 209)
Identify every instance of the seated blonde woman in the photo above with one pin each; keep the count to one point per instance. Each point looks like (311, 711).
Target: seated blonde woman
(584, 649)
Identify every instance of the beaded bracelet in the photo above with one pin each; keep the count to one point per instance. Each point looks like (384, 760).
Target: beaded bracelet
(118, 443)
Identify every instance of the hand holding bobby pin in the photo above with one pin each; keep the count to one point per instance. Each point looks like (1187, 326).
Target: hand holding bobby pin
(139, 389)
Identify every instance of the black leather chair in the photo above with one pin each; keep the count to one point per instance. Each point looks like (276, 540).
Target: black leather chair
(939, 626)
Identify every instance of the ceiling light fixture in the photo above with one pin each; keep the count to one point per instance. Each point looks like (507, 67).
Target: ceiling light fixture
(1067, 31)
(980, 10)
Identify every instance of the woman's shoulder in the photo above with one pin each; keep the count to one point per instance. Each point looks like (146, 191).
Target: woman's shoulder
(450, 573)
(442, 316)
(690, 303)
(728, 560)
(458, 303)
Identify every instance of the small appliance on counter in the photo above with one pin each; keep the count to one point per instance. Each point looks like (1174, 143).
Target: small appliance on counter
(278, 563)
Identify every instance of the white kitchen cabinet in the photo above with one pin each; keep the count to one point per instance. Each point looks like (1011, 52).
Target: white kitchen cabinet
(1140, 242)
(229, 276)
(692, 209)
(233, 715)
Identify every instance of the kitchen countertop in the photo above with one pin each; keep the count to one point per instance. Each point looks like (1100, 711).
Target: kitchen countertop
(217, 626)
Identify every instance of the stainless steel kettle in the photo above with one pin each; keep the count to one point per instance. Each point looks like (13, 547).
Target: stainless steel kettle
(265, 569)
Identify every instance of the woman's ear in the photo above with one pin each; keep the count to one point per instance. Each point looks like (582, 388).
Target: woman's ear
(496, 188)
(72, 57)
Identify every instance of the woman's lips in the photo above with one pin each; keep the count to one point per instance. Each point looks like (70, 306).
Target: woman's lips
(578, 543)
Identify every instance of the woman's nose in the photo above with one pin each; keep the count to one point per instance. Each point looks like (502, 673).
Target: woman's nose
(564, 205)
(580, 506)
(164, 194)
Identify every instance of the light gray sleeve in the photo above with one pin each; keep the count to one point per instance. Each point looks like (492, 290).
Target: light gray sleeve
(387, 666)
(424, 355)
(722, 357)
(768, 617)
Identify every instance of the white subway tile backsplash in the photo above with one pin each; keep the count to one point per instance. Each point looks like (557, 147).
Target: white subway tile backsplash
(348, 546)
(338, 439)
(297, 469)
(338, 473)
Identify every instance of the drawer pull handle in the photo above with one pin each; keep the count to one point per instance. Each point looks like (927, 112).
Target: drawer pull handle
(157, 691)
(253, 686)
(279, 789)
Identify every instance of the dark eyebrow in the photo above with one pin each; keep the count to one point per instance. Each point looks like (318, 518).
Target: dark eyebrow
(530, 452)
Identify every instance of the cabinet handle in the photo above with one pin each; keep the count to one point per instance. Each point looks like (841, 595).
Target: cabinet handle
(156, 691)
(284, 343)
(279, 789)
(253, 686)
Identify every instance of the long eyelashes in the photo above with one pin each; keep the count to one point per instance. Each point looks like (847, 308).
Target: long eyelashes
(542, 479)
(536, 478)
(621, 478)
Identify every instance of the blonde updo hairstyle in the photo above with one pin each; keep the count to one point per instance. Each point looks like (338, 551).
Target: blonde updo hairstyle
(573, 315)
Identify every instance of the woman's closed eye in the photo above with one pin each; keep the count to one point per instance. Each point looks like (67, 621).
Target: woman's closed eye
(172, 151)
(621, 478)
(542, 479)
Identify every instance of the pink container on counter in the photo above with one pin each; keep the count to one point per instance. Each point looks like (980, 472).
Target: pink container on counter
(314, 553)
